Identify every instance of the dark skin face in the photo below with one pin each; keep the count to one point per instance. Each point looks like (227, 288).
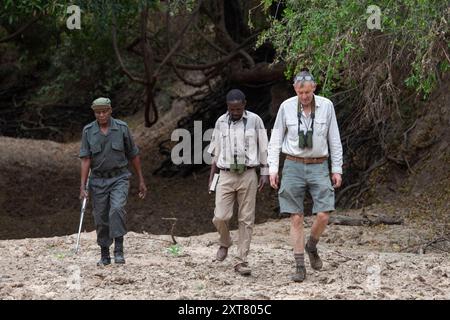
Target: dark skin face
(236, 109)
(103, 115)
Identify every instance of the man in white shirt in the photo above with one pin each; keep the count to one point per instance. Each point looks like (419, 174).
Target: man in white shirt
(306, 131)
(238, 146)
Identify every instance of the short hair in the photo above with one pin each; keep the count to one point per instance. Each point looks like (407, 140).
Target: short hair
(235, 95)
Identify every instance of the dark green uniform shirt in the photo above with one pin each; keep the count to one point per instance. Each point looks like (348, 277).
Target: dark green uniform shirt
(108, 151)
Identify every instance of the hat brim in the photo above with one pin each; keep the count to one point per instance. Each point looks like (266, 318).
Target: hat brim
(100, 106)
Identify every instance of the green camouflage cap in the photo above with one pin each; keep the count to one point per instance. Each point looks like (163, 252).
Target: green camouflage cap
(100, 103)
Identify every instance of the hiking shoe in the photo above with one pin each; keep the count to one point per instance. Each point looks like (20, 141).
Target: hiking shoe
(300, 274)
(314, 259)
(222, 253)
(243, 269)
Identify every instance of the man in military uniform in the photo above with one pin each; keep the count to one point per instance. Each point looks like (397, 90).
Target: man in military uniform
(106, 148)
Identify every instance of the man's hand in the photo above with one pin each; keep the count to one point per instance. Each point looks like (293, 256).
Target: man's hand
(263, 180)
(83, 193)
(142, 190)
(274, 180)
(209, 183)
(337, 180)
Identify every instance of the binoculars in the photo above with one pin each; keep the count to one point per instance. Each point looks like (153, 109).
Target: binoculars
(237, 168)
(305, 139)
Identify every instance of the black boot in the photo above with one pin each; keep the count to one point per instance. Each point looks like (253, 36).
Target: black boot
(118, 250)
(105, 258)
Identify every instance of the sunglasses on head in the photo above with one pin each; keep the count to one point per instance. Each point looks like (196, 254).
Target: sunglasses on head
(303, 78)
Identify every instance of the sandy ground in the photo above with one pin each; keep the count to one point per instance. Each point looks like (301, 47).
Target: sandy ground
(359, 263)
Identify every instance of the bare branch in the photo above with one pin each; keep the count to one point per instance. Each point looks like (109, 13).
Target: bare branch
(192, 83)
(20, 30)
(119, 57)
(148, 66)
(180, 38)
(173, 228)
(208, 41)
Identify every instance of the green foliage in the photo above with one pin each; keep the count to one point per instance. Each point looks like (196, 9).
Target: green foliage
(324, 34)
(73, 60)
(174, 250)
(16, 11)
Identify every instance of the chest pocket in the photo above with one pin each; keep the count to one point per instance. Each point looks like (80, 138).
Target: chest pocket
(95, 148)
(320, 127)
(250, 143)
(224, 136)
(117, 146)
(292, 130)
(118, 154)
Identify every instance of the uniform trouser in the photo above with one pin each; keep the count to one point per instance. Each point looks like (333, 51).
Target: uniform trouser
(232, 187)
(109, 197)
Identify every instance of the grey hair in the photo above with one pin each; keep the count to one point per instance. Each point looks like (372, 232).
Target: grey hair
(304, 76)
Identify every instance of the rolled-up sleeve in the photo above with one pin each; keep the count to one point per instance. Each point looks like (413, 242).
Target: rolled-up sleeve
(334, 143)
(214, 146)
(262, 147)
(84, 149)
(276, 140)
(131, 149)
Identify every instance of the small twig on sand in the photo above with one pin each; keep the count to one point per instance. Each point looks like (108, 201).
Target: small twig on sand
(424, 245)
(173, 228)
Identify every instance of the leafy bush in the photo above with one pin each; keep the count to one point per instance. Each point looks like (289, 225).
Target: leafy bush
(326, 35)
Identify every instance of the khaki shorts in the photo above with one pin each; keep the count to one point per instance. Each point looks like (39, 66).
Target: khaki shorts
(299, 177)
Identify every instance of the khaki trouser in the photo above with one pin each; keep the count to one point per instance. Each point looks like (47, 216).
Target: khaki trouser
(232, 187)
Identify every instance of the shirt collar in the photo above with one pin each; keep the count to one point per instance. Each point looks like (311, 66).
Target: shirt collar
(95, 127)
(244, 116)
(112, 126)
(315, 102)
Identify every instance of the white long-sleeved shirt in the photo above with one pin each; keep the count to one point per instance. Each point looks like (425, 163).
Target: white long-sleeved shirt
(245, 138)
(326, 134)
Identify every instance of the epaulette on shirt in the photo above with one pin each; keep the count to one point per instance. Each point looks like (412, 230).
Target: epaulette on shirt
(89, 125)
(122, 123)
(325, 99)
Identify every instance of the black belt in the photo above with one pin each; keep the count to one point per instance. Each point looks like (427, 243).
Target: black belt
(228, 169)
(110, 173)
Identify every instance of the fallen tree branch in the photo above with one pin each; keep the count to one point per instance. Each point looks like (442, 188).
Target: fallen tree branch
(363, 221)
(422, 247)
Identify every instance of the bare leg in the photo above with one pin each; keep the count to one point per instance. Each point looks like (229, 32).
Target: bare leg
(297, 233)
(317, 229)
(319, 225)
(298, 243)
